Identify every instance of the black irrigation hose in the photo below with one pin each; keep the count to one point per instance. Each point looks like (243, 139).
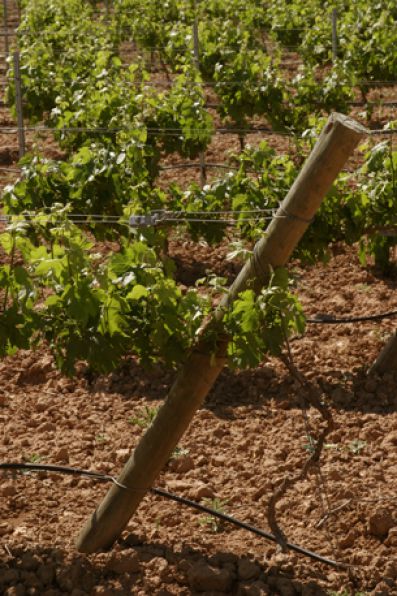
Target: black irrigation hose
(326, 319)
(182, 500)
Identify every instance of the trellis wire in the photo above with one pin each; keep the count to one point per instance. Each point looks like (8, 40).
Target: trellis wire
(173, 131)
(152, 219)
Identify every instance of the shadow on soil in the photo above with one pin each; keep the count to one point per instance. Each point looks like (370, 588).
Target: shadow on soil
(150, 568)
(357, 391)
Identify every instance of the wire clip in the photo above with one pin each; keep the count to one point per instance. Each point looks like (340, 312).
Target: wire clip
(146, 220)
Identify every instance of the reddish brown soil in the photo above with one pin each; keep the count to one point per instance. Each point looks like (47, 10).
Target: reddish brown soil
(248, 437)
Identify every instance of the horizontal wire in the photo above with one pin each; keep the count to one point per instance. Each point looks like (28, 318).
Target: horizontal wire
(169, 131)
(151, 130)
(165, 220)
(234, 83)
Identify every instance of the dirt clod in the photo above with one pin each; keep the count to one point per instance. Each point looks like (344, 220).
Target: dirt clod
(205, 578)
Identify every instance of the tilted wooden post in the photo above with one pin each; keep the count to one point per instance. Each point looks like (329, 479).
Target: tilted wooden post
(336, 143)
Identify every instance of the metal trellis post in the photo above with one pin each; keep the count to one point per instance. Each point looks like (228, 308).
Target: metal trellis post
(203, 170)
(334, 35)
(5, 21)
(18, 102)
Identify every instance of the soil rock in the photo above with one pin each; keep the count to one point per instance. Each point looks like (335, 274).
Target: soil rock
(204, 578)
(124, 563)
(247, 569)
(380, 522)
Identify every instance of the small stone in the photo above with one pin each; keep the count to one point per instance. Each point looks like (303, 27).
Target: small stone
(204, 578)
(382, 589)
(135, 539)
(178, 485)
(122, 455)
(247, 569)
(312, 588)
(348, 540)
(5, 529)
(29, 562)
(47, 427)
(124, 563)
(46, 574)
(380, 522)
(18, 590)
(257, 588)
(283, 585)
(391, 539)
(391, 570)
(62, 455)
(219, 461)
(201, 491)
(9, 576)
(181, 464)
(8, 489)
(41, 405)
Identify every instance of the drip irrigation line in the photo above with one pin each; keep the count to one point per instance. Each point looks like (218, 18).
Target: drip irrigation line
(176, 498)
(326, 319)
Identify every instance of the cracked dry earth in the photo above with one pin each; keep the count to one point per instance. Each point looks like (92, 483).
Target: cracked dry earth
(247, 438)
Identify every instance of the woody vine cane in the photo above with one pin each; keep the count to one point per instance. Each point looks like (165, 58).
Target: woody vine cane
(336, 143)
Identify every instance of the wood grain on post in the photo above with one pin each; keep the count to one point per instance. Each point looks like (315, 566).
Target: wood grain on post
(336, 143)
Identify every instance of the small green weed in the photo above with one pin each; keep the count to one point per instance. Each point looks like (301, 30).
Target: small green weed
(179, 452)
(363, 287)
(145, 418)
(214, 523)
(356, 446)
(35, 458)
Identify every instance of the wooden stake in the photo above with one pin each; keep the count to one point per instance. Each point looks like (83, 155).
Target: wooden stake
(202, 367)
(18, 103)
